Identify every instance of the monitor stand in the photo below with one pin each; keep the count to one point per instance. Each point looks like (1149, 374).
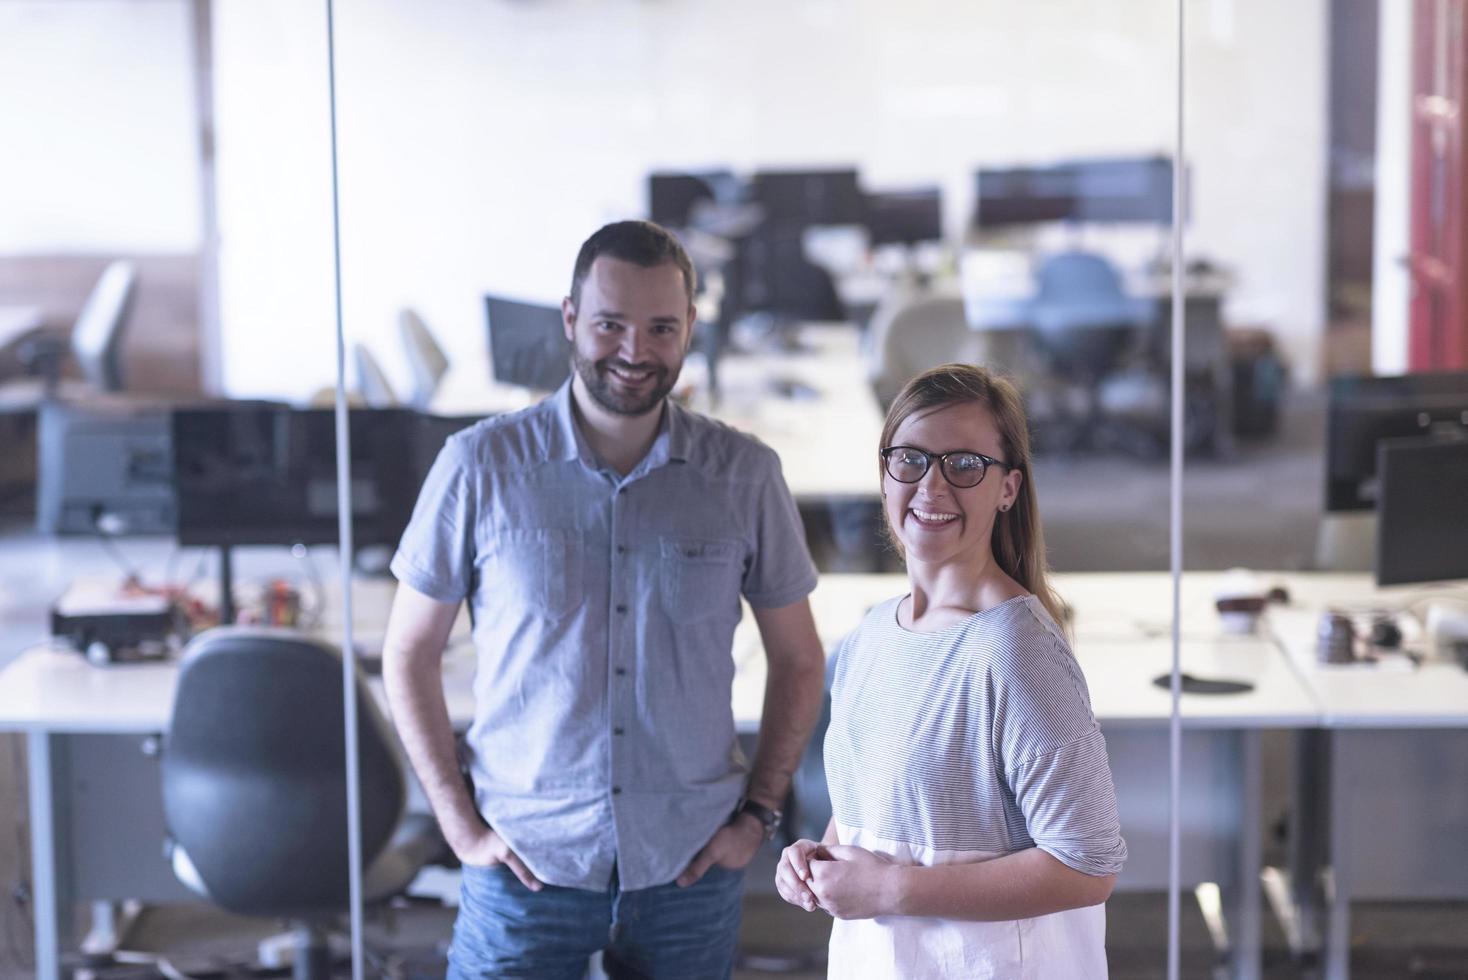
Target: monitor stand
(226, 587)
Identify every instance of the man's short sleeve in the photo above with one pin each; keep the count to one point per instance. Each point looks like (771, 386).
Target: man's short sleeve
(436, 554)
(780, 570)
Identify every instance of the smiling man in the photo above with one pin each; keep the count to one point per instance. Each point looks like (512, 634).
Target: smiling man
(603, 540)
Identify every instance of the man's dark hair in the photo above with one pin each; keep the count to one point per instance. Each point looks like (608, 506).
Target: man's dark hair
(639, 242)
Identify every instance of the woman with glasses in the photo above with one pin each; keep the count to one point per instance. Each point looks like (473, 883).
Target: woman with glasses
(975, 830)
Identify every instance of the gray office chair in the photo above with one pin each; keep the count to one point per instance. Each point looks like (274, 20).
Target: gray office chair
(913, 330)
(426, 358)
(254, 786)
(1084, 323)
(95, 344)
(372, 383)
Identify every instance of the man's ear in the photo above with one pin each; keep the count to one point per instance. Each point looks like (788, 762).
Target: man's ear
(692, 326)
(568, 319)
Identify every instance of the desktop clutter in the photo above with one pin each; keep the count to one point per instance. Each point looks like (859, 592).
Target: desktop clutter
(129, 622)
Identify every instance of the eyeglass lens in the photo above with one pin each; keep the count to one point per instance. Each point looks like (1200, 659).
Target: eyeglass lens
(960, 469)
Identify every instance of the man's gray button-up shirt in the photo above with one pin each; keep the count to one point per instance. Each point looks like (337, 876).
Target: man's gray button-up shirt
(604, 610)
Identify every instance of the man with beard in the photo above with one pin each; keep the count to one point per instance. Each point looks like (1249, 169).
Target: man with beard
(603, 540)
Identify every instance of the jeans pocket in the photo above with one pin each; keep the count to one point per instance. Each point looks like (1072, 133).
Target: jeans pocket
(700, 578)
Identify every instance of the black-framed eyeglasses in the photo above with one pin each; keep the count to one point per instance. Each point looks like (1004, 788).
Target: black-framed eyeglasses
(962, 468)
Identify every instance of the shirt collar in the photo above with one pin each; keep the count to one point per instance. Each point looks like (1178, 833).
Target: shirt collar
(671, 443)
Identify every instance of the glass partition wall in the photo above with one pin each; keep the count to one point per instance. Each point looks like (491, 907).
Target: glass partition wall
(166, 294)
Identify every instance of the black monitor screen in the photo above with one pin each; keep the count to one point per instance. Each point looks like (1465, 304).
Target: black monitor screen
(1365, 410)
(905, 217)
(430, 432)
(253, 474)
(1129, 189)
(527, 344)
(1422, 513)
(802, 198)
(672, 196)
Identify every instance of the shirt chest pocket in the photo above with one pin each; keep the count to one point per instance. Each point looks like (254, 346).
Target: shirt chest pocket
(700, 578)
(540, 569)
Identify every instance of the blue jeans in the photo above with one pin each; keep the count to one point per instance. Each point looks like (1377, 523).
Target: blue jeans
(665, 932)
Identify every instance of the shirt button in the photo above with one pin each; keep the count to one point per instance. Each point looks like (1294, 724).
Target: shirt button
(621, 491)
(621, 671)
(616, 790)
(621, 549)
(618, 731)
(621, 609)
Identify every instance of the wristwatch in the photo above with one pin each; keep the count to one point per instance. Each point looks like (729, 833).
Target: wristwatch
(769, 819)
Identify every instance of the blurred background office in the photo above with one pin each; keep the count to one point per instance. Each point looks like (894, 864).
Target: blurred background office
(867, 190)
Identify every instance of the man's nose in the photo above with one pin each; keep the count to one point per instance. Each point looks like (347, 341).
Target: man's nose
(632, 346)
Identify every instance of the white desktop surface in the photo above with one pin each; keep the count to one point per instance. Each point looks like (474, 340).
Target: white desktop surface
(1120, 630)
(1121, 637)
(1432, 695)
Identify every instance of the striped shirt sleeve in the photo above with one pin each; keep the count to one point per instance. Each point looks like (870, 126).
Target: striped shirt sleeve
(1054, 757)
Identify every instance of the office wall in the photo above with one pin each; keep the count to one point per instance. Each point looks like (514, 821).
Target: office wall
(480, 141)
(97, 99)
(101, 162)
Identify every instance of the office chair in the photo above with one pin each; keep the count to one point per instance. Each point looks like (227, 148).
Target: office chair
(426, 359)
(1084, 323)
(254, 793)
(95, 344)
(914, 329)
(372, 383)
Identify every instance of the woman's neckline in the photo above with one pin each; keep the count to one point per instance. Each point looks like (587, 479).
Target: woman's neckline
(897, 615)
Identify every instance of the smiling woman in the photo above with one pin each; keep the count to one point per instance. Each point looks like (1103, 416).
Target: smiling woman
(975, 829)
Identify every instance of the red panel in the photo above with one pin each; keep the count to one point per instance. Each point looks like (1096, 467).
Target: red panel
(1438, 338)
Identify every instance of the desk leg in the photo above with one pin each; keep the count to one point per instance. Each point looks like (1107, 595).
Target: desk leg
(1247, 895)
(50, 884)
(1338, 895)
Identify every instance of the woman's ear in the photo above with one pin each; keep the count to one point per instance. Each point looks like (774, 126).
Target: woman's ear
(1012, 482)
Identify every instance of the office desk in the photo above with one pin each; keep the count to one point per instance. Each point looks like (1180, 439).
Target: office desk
(96, 824)
(1392, 812)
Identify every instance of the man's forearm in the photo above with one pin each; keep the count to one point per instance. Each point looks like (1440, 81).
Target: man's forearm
(420, 714)
(792, 704)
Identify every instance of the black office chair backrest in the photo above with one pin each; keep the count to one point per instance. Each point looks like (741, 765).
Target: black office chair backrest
(254, 772)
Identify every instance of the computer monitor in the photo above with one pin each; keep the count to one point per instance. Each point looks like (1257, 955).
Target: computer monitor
(804, 198)
(1125, 189)
(527, 343)
(430, 432)
(263, 474)
(671, 197)
(1364, 410)
(1422, 510)
(905, 217)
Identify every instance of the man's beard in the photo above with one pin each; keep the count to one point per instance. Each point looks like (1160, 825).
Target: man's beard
(595, 375)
